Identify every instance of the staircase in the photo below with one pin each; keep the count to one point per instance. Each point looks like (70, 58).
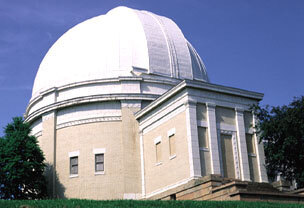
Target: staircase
(215, 187)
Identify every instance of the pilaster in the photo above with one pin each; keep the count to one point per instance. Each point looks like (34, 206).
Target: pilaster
(213, 140)
(192, 137)
(241, 140)
(260, 154)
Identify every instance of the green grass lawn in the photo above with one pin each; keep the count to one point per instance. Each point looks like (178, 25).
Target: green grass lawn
(76, 203)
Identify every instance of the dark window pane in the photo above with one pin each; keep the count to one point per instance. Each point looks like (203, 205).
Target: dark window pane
(74, 160)
(74, 169)
(99, 162)
(99, 167)
(99, 158)
(74, 165)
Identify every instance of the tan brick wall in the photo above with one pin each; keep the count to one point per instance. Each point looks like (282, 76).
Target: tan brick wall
(85, 138)
(170, 171)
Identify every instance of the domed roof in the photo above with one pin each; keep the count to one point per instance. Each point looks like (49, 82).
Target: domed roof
(118, 44)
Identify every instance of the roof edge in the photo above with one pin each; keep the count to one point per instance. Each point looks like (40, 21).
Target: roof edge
(199, 85)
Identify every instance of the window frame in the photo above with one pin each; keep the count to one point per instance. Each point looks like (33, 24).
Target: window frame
(158, 141)
(73, 155)
(99, 162)
(96, 152)
(171, 133)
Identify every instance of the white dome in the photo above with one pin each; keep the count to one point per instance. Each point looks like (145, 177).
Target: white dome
(120, 43)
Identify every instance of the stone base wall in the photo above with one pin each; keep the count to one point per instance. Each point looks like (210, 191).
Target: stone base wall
(217, 188)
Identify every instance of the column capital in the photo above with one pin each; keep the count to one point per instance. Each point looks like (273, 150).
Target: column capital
(130, 104)
(190, 103)
(239, 110)
(210, 105)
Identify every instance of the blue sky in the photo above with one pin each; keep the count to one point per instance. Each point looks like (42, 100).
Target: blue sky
(255, 45)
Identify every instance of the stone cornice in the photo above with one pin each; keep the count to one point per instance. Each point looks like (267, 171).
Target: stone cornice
(88, 99)
(224, 89)
(201, 86)
(149, 79)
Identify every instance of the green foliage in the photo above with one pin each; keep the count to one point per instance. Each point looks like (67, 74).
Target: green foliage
(282, 131)
(21, 163)
(74, 203)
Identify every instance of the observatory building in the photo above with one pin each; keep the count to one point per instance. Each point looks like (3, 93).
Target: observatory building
(123, 109)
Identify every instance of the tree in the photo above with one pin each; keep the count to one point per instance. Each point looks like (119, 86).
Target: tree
(282, 131)
(21, 163)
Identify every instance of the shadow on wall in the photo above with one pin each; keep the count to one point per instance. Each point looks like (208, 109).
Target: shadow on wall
(50, 172)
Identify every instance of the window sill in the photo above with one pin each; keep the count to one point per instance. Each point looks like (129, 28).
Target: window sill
(159, 163)
(100, 173)
(172, 157)
(74, 176)
(204, 149)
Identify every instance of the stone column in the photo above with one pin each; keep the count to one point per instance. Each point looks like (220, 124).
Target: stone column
(260, 155)
(213, 140)
(241, 140)
(192, 137)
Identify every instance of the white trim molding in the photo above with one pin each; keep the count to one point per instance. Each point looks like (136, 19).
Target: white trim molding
(157, 140)
(171, 132)
(99, 150)
(73, 154)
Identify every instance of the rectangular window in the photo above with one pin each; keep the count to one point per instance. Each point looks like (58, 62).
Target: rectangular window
(74, 165)
(158, 152)
(252, 159)
(250, 144)
(227, 156)
(99, 162)
(204, 150)
(172, 145)
(202, 137)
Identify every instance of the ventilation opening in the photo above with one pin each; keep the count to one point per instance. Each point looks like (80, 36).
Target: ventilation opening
(173, 197)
